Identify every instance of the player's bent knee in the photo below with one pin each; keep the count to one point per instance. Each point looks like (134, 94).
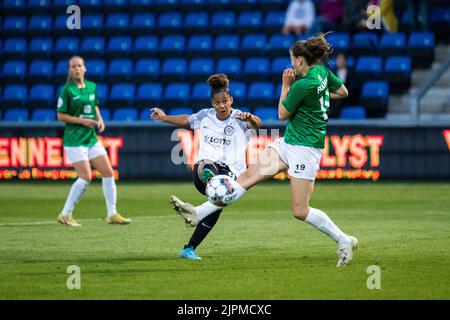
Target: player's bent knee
(300, 212)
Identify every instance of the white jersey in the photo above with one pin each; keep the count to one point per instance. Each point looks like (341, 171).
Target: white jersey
(222, 141)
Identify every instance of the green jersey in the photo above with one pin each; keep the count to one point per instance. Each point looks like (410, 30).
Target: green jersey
(79, 102)
(308, 101)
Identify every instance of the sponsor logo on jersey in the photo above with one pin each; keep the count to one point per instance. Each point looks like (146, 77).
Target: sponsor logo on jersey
(228, 130)
(87, 108)
(215, 140)
(76, 98)
(60, 102)
(92, 97)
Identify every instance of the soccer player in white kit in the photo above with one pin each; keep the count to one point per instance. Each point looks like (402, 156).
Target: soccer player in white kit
(224, 136)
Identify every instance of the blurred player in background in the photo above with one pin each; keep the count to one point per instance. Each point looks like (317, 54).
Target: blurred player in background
(304, 102)
(78, 108)
(223, 144)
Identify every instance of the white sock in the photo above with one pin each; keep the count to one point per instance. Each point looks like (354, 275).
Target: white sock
(321, 221)
(207, 207)
(75, 194)
(110, 193)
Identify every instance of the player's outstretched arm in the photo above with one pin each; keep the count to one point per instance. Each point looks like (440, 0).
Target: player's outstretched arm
(181, 120)
(341, 93)
(253, 122)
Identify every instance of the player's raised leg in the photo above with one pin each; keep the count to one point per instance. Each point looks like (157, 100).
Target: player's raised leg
(102, 164)
(77, 190)
(301, 190)
(267, 165)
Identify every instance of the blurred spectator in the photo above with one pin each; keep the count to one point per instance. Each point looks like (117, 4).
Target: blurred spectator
(343, 73)
(354, 17)
(388, 17)
(300, 17)
(330, 16)
(416, 15)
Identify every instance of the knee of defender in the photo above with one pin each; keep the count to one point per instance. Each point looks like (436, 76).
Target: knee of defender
(300, 212)
(87, 179)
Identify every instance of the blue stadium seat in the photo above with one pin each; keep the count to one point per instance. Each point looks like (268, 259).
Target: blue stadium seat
(13, 71)
(374, 97)
(253, 44)
(196, 22)
(93, 47)
(200, 69)
(222, 22)
(125, 114)
(61, 5)
(239, 92)
(230, 66)
(145, 46)
(274, 21)
(121, 94)
(169, 22)
(44, 115)
(176, 94)
(40, 70)
(172, 46)
(119, 47)
(392, 44)
(201, 95)
(143, 23)
(353, 113)
(14, 25)
(421, 48)
(146, 114)
(14, 48)
(146, 69)
(397, 72)
(242, 109)
(140, 5)
(120, 70)
(37, 5)
(214, 5)
(178, 111)
(364, 43)
(260, 94)
(164, 5)
(60, 25)
(16, 115)
(279, 44)
(192, 5)
(60, 72)
(256, 68)
(102, 93)
(240, 5)
(66, 46)
(40, 48)
(41, 96)
(266, 114)
(106, 114)
(92, 23)
(14, 95)
(91, 5)
(117, 23)
(278, 66)
(115, 5)
(226, 45)
(95, 69)
(199, 46)
(249, 21)
(368, 68)
(340, 41)
(440, 22)
(39, 25)
(148, 94)
(13, 6)
(173, 69)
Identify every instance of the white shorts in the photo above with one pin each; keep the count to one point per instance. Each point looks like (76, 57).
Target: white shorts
(77, 154)
(303, 162)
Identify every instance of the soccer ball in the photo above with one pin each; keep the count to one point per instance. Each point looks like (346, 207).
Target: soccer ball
(220, 190)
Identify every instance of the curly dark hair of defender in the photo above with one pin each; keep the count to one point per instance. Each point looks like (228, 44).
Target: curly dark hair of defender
(219, 83)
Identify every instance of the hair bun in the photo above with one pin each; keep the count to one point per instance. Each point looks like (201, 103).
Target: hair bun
(218, 81)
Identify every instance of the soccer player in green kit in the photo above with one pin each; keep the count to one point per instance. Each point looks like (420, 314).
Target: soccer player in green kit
(78, 108)
(304, 103)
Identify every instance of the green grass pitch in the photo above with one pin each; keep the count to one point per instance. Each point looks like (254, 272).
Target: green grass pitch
(256, 251)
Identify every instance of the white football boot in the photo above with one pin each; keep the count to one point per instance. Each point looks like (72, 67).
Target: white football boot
(186, 210)
(345, 252)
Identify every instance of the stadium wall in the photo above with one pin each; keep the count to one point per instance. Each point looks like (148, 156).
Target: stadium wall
(149, 151)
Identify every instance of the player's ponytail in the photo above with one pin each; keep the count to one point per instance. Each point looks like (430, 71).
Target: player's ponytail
(219, 83)
(314, 50)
